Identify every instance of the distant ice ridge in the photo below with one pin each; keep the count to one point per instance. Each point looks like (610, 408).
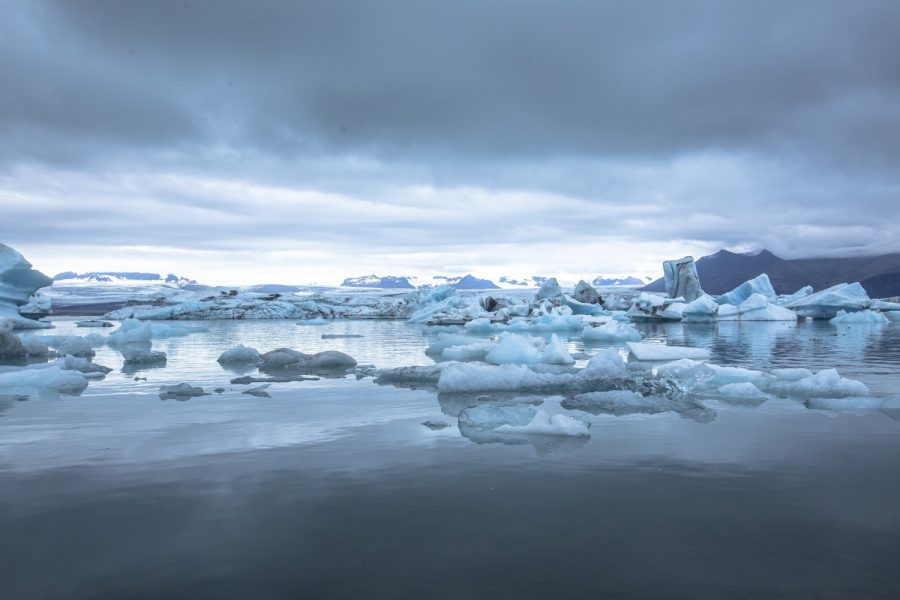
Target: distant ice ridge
(234, 304)
(18, 284)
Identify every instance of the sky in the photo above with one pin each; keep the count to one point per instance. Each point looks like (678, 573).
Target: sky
(308, 141)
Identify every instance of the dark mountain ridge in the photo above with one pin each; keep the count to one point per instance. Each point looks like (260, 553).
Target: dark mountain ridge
(723, 271)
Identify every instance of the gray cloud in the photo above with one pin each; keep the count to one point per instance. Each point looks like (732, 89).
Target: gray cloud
(712, 123)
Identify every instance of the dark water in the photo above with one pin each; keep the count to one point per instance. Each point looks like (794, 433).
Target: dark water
(334, 489)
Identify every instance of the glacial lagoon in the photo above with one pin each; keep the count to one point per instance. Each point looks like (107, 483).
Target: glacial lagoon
(334, 488)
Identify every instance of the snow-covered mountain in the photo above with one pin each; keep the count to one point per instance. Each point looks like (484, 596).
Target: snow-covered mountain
(120, 278)
(374, 281)
(625, 280)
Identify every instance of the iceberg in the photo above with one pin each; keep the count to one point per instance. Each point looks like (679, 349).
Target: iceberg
(849, 297)
(84, 366)
(757, 285)
(755, 308)
(586, 294)
(287, 359)
(43, 377)
(682, 280)
(704, 308)
(827, 383)
(18, 282)
(862, 317)
(611, 331)
(240, 354)
(549, 289)
(659, 352)
(790, 298)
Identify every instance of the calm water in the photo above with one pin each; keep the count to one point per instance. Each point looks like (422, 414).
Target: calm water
(334, 489)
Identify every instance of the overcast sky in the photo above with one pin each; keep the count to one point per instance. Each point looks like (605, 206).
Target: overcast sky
(239, 142)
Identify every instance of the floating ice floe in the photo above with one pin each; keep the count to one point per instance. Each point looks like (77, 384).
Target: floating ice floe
(10, 344)
(18, 283)
(544, 423)
(612, 331)
(240, 354)
(742, 390)
(862, 317)
(827, 383)
(827, 303)
(140, 356)
(660, 352)
(84, 366)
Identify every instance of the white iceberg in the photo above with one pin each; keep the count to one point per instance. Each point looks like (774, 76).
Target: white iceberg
(555, 353)
(513, 349)
(826, 304)
(549, 289)
(757, 285)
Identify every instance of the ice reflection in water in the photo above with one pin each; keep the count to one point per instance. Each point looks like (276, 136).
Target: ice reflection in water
(334, 488)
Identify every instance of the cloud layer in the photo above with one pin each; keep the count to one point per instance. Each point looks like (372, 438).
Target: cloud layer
(418, 136)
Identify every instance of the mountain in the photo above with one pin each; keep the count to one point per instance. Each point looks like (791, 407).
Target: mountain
(122, 278)
(374, 281)
(534, 281)
(628, 280)
(723, 271)
(469, 282)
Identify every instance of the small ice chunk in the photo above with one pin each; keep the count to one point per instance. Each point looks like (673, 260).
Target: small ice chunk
(646, 351)
(285, 358)
(137, 356)
(861, 317)
(240, 354)
(258, 391)
(93, 323)
(53, 378)
(84, 365)
(436, 425)
(180, 391)
(10, 344)
(612, 331)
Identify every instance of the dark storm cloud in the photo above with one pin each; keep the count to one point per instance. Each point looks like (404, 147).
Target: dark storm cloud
(494, 78)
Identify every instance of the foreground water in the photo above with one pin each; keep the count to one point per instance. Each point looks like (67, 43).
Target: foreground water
(334, 488)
